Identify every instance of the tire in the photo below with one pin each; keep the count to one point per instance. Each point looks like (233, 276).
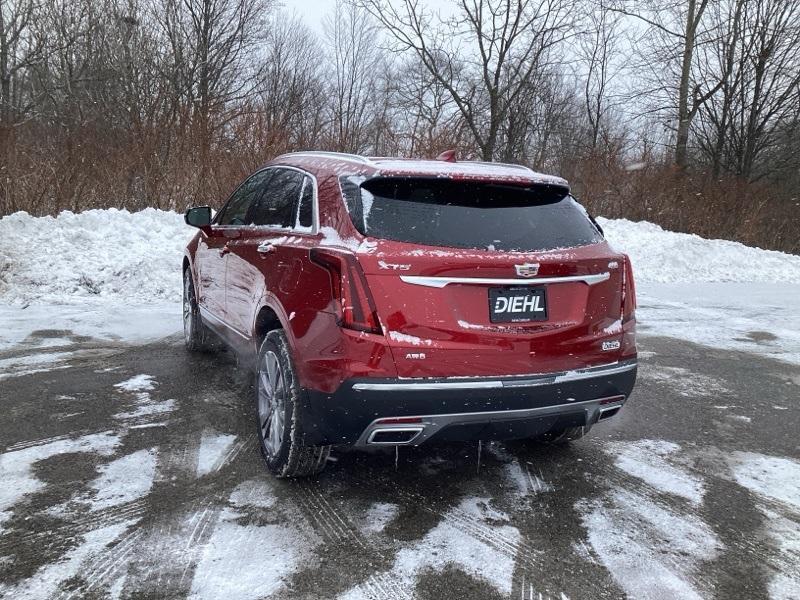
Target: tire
(196, 335)
(564, 436)
(278, 418)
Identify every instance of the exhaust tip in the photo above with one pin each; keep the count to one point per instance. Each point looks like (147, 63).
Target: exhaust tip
(393, 436)
(607, 413)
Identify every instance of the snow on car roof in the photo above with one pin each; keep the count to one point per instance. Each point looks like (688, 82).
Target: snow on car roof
(438, 168)
(390, 166)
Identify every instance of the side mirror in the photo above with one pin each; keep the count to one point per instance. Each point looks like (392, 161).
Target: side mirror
(198, 216)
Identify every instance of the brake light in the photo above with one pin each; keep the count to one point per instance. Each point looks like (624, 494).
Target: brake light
(355, 307)
(628, 291)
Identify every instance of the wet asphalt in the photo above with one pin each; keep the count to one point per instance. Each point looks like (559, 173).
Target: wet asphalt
(533, 529)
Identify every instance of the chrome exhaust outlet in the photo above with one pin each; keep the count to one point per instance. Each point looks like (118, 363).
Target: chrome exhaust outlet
(393, 436)
(610, 406)
(607, 412)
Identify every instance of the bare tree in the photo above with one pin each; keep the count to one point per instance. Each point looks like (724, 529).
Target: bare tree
(214, 46)
(759, 58)
(291, 96)
(19, 50)
(426, 114)
(673, 32)
(599, 53)
(351, 40)
(484, 56)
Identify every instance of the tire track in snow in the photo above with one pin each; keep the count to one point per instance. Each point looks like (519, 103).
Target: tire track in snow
(528, 591)
(75, 435)
(521, 551)
(110, 565)
(333, 524)
(619, 479)
(175, 545)
(202, 524)
(171, 551)
(336, 528)
(130, 511)
(233, 452)
(42, 441)
(383, 586)
(636, 493)
(163, 562)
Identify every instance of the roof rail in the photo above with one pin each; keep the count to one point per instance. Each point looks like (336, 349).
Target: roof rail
(326, 154)
(500, 164)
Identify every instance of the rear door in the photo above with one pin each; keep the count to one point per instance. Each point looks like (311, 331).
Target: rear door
(476, 279)
(267, 258)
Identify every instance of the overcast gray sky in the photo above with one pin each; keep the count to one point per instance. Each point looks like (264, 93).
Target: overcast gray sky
(312, 11)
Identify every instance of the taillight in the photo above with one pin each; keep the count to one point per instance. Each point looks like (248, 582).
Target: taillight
(628, 291)
(355, 307)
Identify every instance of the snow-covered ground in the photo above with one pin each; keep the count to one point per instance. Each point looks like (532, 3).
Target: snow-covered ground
(115, 275)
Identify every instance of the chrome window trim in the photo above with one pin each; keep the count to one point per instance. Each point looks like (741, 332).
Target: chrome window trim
(440, 282)
(293, 230)
(523, 381)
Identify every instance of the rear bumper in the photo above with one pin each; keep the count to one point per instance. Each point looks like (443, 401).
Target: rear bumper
(413, 411)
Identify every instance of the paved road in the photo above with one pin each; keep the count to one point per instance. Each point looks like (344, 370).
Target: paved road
(132, 472)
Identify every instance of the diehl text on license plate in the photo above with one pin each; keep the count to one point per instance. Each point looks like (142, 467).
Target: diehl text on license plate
(517, 305)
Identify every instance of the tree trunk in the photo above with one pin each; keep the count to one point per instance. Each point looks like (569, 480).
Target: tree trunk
(684, 120)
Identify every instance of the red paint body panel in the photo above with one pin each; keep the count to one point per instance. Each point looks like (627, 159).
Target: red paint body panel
(427, 331)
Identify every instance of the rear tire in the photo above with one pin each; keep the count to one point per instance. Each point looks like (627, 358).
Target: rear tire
(196, 335)
(279, 420)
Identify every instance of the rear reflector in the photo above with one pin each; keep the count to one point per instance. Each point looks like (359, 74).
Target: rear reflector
(400, 420)
(612, 400)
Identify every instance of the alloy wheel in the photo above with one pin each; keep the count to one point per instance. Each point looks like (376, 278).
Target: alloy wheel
(271, 402)
(187, 308)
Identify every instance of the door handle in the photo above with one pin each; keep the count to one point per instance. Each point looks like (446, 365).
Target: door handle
(224, 250)
(265, 248)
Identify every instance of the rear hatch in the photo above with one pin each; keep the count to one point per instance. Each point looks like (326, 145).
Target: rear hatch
(475, 278)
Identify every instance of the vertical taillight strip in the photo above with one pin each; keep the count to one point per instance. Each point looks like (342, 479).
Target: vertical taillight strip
(628, 291)
(355, 306)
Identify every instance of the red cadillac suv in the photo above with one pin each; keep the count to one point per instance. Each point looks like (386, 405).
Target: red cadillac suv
(390, 302)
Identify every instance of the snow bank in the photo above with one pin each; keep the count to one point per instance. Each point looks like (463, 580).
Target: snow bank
(661, 256)
(115, 254)
(95, 254)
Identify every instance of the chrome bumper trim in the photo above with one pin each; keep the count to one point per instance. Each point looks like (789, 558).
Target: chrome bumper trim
(427, 386)
(430, 424)
(440, 282)
(483, 384)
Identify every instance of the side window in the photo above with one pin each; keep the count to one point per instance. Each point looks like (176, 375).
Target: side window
(305, 212)
(235, 211)
(277, 205)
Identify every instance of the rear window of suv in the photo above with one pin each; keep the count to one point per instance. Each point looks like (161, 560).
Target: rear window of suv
(467, 214)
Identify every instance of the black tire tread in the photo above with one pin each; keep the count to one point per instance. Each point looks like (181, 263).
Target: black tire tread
(201, 340)
(300, 460)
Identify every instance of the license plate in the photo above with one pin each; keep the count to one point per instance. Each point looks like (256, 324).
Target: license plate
(516, 305)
